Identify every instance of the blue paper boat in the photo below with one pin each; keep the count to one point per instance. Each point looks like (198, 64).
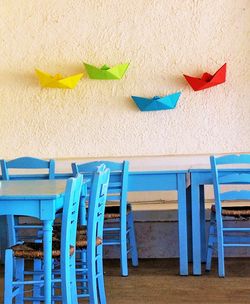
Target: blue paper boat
(157, 103)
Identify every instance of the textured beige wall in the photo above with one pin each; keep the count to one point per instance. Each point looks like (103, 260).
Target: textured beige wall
(161, 39)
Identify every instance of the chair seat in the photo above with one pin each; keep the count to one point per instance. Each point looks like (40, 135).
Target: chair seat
(113, 212)
(235, 211)
(30, 250)
(81, 238)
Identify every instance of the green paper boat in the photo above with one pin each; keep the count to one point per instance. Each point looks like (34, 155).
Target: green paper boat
(105, 72)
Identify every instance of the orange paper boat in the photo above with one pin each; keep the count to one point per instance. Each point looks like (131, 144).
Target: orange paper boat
(207, 80)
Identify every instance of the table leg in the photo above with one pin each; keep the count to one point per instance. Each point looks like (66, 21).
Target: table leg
(203, 225)
(195, 193)
(189, 224)
(182, 224)
(3, 237)
(47, 247)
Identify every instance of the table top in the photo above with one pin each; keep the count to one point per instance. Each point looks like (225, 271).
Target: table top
(32, 189)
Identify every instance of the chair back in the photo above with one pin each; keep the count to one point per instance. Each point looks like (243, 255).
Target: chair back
(97, 200)
(73, 191)
(28, 163)
(234, 174)
(118, 182)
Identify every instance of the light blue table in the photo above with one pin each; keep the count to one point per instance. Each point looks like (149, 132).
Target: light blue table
(40, 199)
(198, 179)
(172, 180)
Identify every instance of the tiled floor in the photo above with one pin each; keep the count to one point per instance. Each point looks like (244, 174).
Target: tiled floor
(157, 281)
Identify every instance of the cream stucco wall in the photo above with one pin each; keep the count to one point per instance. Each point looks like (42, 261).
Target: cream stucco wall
(161, 39)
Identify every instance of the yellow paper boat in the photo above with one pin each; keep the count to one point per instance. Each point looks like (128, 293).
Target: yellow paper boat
(57, 81)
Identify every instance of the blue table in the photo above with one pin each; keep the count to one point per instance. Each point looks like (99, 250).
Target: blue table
(198, 179)
(167, 181)
(40, 199)
(171, 180)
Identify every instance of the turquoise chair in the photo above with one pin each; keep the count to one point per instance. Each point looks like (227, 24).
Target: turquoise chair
(16, 277)
(24, 163)
(219, 235)
(89, 244)
(119, 221)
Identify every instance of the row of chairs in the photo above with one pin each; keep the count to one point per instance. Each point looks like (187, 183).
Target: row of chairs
(119, 221)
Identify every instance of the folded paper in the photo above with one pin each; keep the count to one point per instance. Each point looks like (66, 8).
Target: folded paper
(57, 81)
(105, 72)
(157, 103)
(207, 80)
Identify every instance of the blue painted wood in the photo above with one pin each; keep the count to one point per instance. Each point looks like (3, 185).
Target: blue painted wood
(97, 201)
(118, 185)
(203, 177)
(155, 181)
(233, 179)
(53, 196)
(27, 163)
(30, 163)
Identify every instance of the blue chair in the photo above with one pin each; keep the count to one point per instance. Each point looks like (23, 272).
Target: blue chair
(16, 277)
(218, 233)
(32, 164)
(119, 222)
(89, 244)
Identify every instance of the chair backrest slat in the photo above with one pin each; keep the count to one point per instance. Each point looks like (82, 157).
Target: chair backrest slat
(228, 177)
(27, 163)
(235, 195)
(234, 178)
(233, 159)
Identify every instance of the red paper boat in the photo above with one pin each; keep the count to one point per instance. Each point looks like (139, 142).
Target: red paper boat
(207, 80)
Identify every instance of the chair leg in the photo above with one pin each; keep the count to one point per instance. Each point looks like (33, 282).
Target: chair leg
(8, 277)
(211, 241)
(73, 279)
(11, 230)
(220, 244)
(65, 286)
(132, 239)
(20, 277)
(123, 247)
(101, 286)
(93, 297)
(37, 277)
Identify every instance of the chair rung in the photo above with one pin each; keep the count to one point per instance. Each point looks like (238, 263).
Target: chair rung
(236, 245)
(83, 296)
(17, 283)
(236, 229)
(111, 229)
(28, 227)
(108, 243)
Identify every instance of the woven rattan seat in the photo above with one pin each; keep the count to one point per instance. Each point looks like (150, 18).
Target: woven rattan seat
(235, 211)
(30, 250)
(81, 239)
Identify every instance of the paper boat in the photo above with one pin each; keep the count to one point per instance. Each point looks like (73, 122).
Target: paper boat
(57, 81)
(207, 80)
(157, 103)
(105, 72)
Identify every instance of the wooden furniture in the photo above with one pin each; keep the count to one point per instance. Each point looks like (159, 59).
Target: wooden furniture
(19, 164)
(227, 205)
(119, 220)
(40, 199)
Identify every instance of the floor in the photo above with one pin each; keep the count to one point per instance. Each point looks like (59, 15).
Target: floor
(157, 281)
